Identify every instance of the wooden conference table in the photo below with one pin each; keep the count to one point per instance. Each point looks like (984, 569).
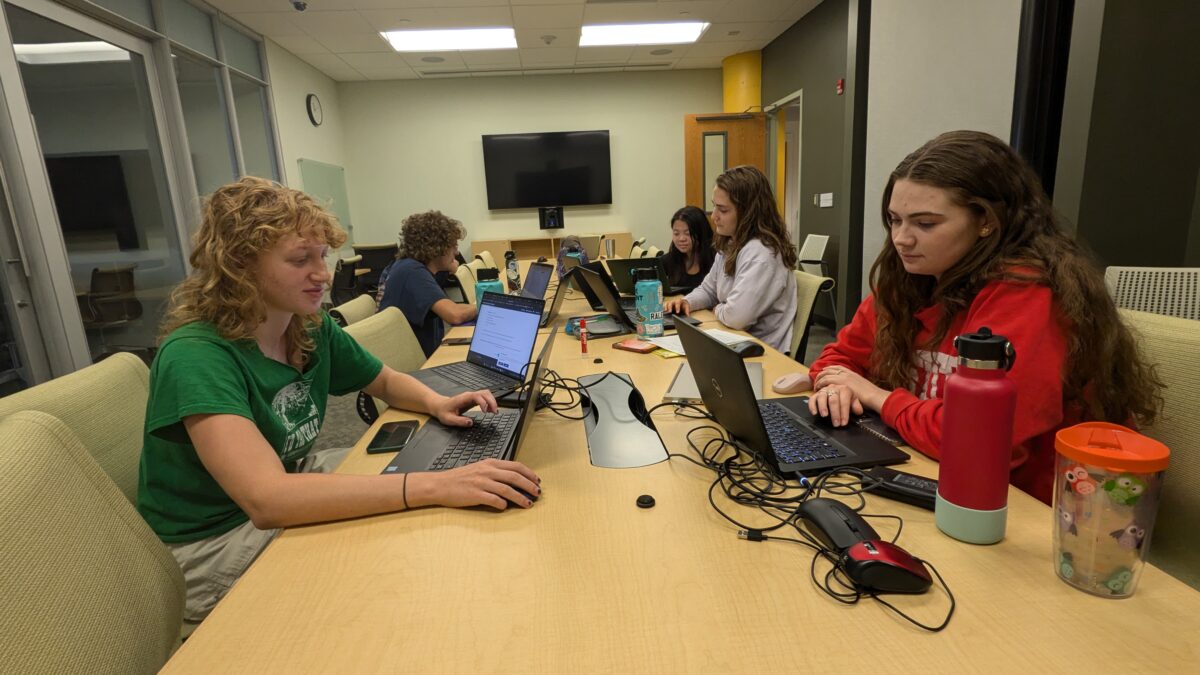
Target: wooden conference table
(587, 581)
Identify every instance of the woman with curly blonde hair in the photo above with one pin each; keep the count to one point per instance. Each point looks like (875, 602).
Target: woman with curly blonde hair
(238, 392)
(429, 246)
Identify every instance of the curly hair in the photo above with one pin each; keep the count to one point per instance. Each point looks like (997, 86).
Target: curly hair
(240, 221)
(1104, 374)
(757, 217)
(428, 235)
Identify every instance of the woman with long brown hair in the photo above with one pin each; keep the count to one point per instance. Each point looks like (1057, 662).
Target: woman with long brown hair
(750, 285)
(238, 392)
(975, 242)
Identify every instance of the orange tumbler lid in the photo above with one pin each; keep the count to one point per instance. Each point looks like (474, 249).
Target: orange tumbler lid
(1112, 446)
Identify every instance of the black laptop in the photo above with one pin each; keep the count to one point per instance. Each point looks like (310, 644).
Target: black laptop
(537, 280)
(621, 270)
(780, 430)
(505, 332)
(437, 447)
(594, 285)
(559, 295)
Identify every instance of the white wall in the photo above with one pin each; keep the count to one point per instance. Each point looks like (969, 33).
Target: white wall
(936, 65)
(292, 80)
(414, 145)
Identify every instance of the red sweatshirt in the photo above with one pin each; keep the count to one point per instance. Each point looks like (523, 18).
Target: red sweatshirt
(1022, 312)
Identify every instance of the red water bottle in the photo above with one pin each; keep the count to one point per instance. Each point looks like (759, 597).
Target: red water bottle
(977, 438)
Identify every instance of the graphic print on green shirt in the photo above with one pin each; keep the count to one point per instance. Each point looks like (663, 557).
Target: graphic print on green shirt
(197, 372)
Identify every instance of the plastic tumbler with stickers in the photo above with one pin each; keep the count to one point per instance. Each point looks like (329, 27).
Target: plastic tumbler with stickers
(1108, 480)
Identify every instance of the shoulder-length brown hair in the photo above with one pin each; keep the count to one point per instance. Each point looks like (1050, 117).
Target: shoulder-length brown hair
(757, 217)
(1104, 374)
(238, 222)
(428, 235)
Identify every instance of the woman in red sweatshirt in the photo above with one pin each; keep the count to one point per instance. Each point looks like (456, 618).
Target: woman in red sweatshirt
(974, 242)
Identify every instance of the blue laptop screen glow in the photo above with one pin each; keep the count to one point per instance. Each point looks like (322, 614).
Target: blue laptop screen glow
(505, 332)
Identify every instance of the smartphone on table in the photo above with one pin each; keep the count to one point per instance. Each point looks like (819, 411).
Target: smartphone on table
(392, 436)
(457, 341)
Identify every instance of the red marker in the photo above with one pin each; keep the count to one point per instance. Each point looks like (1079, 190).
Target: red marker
(583, 337)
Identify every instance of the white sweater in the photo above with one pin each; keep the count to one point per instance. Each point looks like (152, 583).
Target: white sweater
(759, 298)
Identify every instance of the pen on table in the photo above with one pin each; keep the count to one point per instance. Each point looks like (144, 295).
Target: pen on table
(583, 337)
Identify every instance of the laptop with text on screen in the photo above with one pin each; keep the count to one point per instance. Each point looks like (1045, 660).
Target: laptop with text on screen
(781, 431)
(505, 332)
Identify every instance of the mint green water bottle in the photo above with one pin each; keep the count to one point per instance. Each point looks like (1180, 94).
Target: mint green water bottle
(649, 302)
(487, 280)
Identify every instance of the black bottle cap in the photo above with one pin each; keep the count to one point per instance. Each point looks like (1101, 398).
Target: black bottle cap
(645, 274)
(985, 349)
(508, 255)
(487, 274)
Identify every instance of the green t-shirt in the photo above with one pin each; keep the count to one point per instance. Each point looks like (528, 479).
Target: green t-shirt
(198, 372)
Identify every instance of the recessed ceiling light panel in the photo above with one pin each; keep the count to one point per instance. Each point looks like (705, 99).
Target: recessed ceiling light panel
(680, 32)
(448, 40)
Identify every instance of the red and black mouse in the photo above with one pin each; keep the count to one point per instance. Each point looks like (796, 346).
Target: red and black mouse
(884, 567)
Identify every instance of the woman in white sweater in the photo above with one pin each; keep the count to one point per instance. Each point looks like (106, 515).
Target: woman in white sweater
(750, 286)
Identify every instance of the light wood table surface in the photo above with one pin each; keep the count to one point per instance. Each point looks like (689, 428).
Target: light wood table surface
(587, 581)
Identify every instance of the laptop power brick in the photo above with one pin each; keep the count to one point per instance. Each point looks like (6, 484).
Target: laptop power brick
(903, 487)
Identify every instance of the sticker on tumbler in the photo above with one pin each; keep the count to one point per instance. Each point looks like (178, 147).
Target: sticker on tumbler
(1079, 482)
(1130, 538)
(1119, 580)
(1067, 521)
(1125, 489)
(1066, 565)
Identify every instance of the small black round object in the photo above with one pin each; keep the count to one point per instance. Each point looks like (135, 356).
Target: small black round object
(645, 502)
(597, 360)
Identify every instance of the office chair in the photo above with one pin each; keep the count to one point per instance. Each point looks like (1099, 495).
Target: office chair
(812, 261)
(87, 586)
(104, 406)
(808, 287)
(375, 257)
(354, 311)
(1172, 291)
(486, 258)
(1172, 343)
(635, 251)
(653, 252)
(390, 338)
(344, 286)
(110, 302)
(466, 283)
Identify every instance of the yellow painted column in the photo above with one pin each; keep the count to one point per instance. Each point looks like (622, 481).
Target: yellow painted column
(742, 75)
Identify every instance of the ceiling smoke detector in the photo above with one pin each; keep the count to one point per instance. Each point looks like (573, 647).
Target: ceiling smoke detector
(549, 39)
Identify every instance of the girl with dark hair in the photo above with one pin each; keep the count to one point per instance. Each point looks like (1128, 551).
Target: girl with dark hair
(691, 254)
(975, 242)
(750, 286)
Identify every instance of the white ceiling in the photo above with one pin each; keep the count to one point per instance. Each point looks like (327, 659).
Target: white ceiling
(341, 37)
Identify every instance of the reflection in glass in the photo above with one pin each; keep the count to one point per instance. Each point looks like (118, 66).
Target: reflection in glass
(97, 132)
(209, 138)
(714, 164)
(258, 150)
(241, 51)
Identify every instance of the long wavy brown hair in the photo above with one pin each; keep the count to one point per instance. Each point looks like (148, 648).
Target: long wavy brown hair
(757, 217)
(1104, 375)
(238, 222)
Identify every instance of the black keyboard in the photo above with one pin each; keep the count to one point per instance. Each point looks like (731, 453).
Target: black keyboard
(792, 441)
(487, 438)
(475, 377)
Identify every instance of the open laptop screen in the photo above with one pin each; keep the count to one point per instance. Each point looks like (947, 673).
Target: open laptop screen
(537, 279)
(505, 332)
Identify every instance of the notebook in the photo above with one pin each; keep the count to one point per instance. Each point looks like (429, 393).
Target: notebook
(437, 447)
(781, 431)
(505, 332)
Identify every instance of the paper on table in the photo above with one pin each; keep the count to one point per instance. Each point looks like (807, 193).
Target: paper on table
(672, 343)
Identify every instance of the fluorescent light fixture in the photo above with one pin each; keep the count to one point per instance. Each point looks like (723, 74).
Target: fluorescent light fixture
(451, 39)
(69, 52)
(679, 32)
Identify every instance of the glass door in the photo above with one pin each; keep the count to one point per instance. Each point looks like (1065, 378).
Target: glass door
(101, 197)
(22, 356)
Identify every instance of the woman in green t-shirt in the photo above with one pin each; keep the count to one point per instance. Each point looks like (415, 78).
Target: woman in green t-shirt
(238, 392)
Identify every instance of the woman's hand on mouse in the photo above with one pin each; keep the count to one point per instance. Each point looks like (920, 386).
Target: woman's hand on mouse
(678, 306)
(840, 392)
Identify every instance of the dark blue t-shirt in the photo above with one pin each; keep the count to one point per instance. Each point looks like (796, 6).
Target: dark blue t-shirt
(412, 288)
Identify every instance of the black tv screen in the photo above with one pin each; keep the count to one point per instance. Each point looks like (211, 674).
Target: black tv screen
(561, 168)
(90, 196)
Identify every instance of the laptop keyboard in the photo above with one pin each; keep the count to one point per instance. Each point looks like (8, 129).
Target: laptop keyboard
(487, 438)
(793, 442)
(473, 376)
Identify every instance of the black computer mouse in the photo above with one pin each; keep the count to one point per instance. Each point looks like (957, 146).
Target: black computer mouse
(747, 349)
(512, 504)
(883, 567)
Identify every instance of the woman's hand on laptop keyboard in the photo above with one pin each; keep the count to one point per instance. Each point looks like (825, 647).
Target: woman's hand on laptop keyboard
(490, 482)
(450, 408)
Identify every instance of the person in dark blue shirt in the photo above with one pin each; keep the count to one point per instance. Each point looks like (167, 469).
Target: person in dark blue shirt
(429, 246)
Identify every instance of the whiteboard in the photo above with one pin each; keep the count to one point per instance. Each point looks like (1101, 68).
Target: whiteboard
(327, 184)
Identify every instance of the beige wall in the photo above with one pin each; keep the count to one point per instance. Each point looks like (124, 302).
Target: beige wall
(936, 65)
(292, 80)
(414, 145)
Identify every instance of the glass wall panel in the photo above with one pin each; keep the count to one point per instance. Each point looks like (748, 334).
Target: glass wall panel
(190, 26)
(137, 11)
(258, 148)
(204, 114)
(98, 136)
(241, 51)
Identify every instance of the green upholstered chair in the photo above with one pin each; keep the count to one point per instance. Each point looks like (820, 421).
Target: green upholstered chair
(808, 287)
(1173, 344)
(390, 338)
(87, 586)
(104, 405)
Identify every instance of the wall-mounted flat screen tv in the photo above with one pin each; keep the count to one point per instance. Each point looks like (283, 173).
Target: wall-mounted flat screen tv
(560, 168)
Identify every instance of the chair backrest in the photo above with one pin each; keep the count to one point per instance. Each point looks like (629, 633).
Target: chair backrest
(375, 257)
(1173, 345)
(112, 294)
(637, 252)
(808, 286)
(1173, 291)
(812, 254)
(488, 259)
(390, 338)
(653, 252)
(87, 586)
(345, 280)
(354, 311)
(591, 245)
(466, 281)
(474, 266)
(104, 405)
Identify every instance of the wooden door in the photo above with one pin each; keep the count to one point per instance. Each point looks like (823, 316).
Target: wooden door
(715, 142)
